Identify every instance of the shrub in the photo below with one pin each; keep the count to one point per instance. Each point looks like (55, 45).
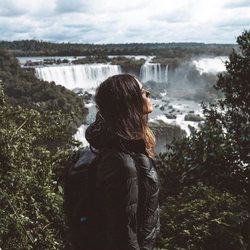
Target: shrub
(31, 210)
(200, 217)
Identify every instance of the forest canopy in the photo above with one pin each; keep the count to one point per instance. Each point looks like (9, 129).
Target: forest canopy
(169, 50)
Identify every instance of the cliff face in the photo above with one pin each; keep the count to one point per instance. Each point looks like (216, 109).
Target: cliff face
(165, 134)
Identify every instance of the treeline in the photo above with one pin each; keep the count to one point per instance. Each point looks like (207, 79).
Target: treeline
(170, 50)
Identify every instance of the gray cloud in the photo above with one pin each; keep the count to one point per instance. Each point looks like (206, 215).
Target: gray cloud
(241, 22)
(116, 21)
(176, 17)
(66, 6)
(10, 9)
(81, 28)
(237, 4)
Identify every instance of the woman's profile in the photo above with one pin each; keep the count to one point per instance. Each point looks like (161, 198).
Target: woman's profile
(127, 186)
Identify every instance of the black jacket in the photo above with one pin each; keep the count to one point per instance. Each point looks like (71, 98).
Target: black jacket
(127, 185)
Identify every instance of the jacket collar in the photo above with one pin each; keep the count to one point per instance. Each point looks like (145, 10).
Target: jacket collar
(100, 135)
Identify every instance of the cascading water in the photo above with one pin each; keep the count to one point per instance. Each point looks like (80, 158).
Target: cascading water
(210, 65)
(78, 76)
(166, 74)
(153, 72)
(80, 135)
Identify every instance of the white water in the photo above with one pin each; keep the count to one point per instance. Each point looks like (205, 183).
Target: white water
(210, 65)
(78, 76)
(181, 107)
(180, 121)
(80, 135)
(153, 72)
(89, 76)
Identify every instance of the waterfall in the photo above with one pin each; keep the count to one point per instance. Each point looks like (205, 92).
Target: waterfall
(210, 65)
(166, 74)
(78, 76)
(153, 72)
(80, 135)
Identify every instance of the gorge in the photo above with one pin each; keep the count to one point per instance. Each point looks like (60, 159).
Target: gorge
(176, 90)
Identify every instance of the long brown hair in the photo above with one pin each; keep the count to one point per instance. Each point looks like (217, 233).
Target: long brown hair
(120, 102)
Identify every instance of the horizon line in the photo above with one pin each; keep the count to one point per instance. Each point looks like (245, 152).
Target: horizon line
(114, 43)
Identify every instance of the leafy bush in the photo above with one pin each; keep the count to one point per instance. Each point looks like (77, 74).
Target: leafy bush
(37, 121)
(205, 178)
(23, 88)
(31, 210)
(200, 217)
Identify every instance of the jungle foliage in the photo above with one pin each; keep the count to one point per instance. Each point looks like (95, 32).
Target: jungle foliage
(37, 121)
(31, 214)
(22, 87)
(205, 196)
(170, 50)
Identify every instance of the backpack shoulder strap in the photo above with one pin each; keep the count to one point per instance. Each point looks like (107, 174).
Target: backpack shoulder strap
(84, 155)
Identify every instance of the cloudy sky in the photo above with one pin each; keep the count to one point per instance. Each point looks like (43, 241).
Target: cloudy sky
(124, 21)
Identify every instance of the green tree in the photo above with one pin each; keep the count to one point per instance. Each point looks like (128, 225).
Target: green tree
(201, 217)
(37, 121)
(22, 87)
(31, 215)
(213, 161)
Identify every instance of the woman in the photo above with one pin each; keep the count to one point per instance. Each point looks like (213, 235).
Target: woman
(127, 215)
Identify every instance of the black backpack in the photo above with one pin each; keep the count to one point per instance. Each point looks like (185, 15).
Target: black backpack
(79, 197)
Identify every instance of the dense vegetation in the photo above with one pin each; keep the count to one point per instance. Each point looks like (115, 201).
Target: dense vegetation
(170, 50)
(37, 121)
(31, 209)
(21, 87)
(205, 197)
(205, 178)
